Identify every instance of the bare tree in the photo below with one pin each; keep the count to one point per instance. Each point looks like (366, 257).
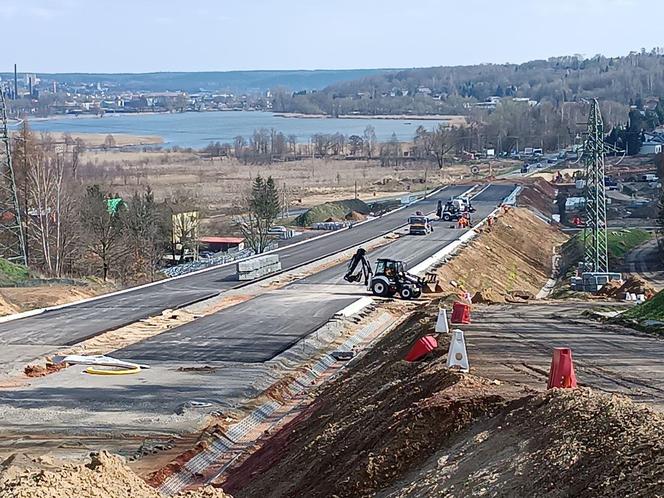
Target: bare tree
(103, 228)
(239, 143)
(148, 230)
(109, 142)
(370, 140)
(437, 143)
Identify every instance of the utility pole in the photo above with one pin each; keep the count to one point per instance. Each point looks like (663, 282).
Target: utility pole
(356, 189)
(426, 169)
(594, 234)
(12, 235)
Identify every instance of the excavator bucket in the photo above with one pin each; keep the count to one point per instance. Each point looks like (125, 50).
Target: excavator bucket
(431, 285)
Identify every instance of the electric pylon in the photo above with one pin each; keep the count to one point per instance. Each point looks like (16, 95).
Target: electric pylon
(12, 235)
(594, 235)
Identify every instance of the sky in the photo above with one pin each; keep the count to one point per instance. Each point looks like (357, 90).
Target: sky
(220, 35)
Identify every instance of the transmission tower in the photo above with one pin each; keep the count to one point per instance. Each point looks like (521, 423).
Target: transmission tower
(594, 235)
(12, 236)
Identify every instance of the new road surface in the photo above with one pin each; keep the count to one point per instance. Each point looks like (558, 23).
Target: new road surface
(78, 322)
(258, 330)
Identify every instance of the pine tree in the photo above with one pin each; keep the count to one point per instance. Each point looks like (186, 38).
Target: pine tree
(264, 209)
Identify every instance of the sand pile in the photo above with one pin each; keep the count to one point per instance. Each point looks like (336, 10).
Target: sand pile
(106, 476)
(487, 296)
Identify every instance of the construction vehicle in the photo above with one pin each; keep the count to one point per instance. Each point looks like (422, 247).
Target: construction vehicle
(419, 225)
(390, 278)
(464, 203)
(452, 211)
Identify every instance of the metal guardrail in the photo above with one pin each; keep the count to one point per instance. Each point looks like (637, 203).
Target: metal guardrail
(216, 260)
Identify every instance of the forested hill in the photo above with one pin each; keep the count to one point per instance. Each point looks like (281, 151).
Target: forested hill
(447, 89)
(191, 82)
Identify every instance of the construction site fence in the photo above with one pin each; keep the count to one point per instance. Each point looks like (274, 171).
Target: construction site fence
(215, 260)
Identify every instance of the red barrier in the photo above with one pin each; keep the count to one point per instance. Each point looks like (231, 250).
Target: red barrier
(561, 373)
(460, 313)
(421, 348)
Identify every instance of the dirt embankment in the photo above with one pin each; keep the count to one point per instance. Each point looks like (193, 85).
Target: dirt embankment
(19, 299)
(391, 428)
(515, 256)
(559, 443)
(369, 427)
(538, 194)
(105, 476)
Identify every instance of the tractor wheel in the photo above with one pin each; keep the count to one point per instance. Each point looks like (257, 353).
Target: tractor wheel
(406, 293)
(417, 293)
(446, 217)
(379, 288)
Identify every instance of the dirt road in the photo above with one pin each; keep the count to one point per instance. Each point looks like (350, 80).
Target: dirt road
(646, 262)
(514, 343)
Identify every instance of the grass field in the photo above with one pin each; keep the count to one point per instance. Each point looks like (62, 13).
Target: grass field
(620, 242)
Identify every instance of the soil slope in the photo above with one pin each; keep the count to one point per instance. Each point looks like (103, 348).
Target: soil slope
(391, 428)
(516, 254)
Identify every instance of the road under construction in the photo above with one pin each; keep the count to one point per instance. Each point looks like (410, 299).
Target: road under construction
(250, 358)
(242, 349)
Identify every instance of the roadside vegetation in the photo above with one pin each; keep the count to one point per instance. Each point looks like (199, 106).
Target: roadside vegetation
(620, 242)
(652, 309)
(11, 273)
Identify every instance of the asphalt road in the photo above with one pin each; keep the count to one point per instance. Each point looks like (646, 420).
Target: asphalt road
(76, 323)
(259, 329)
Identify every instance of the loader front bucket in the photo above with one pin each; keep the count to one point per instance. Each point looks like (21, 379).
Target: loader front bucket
(430, 283)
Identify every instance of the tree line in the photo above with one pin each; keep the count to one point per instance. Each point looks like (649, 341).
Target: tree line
(77, 229)
(451, 89)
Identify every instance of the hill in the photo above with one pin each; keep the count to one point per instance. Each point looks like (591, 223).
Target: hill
(235, 81)
(443, 90)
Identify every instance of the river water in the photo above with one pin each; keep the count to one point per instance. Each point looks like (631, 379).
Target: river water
(198, 129)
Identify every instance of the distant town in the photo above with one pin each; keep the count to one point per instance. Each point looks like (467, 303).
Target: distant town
(36, 95)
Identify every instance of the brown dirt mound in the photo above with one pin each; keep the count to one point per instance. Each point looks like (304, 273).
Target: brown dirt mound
(355, 216)
(365, 430)
(539, 194)
(390, 428)
(487, 296)
(105, 476)
(597, 445)
(43, 370)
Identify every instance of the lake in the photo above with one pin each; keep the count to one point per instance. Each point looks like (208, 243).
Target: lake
(198, 129)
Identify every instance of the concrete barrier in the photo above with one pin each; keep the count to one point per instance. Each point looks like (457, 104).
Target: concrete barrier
(253, 268)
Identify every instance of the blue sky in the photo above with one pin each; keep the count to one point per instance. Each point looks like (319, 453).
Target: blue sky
(206, 35)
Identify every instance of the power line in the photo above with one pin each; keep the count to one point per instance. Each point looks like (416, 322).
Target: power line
(12, 235)
(595, 233)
